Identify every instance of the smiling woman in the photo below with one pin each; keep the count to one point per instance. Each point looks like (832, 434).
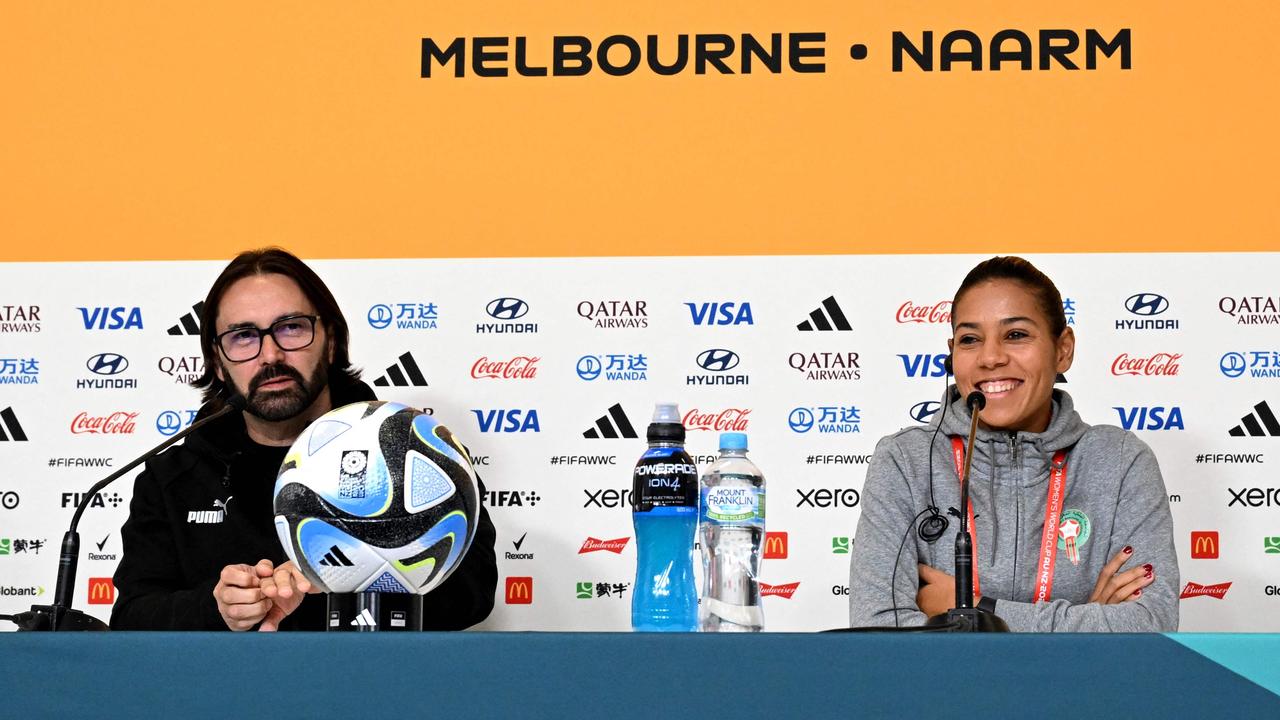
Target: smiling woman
(1073, 530)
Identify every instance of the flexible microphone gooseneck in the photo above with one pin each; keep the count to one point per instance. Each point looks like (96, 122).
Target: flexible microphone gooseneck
(60, 615)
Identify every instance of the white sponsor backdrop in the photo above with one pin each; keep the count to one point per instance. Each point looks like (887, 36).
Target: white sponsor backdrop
(556, 515)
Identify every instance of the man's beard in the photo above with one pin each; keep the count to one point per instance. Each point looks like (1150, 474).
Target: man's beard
(286, 403)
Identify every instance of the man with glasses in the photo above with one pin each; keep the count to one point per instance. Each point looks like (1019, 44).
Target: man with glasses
(200, 546)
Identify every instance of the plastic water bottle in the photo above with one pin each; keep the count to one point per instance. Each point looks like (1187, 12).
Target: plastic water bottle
(664, 502)
(732, 517)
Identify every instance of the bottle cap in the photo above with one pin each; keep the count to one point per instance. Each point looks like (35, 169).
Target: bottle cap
(733, 441)
(666, 413)
(666, 426)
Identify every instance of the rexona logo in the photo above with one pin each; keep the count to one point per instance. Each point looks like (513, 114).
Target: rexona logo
(107, 367)
(189, 324)
(507, 421)
(938, 313)
(826, 418)
(1252, 310)
(825, 318)
(1151, 418)
(403, 373)
(612, 425)
(923, 412)
(776, 545)
(1160, 364)
(511, 498)
(1217, 592)
(615, 314)
(717, 362)
(19, 318)
(102, 591)
(405, 315)
(519, 546)
(613, 366)
(826, 365)
(19, 371)
(1204, 544)
(184, 369)
(506, 310)
(520, 367)
(519, 590)
(116, 423)
(720, 313)
(1258, 363)
(827, 497)
(595, 545)
(924, 365)
(727, 420)
(1146, 306)
(111, 318)
(1260, 423)
(782, 591)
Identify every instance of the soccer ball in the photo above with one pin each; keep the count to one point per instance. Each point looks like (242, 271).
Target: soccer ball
(376, 497)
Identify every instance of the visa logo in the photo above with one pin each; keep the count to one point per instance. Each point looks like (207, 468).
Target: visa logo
(924, 365)
(729, 313)
(507, 421)
(111, 318)
(1151, 418)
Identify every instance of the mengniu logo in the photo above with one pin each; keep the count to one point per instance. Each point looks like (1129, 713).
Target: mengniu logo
(1204, 544)
(519, 590)
(405, 315)
(102, 591)
(189, 324)
(924, 365)
(1161, 364)
(507, 421)
(19, 318)
(827, 317)
(938, 313)
(19, 371)
(776, 545)
(615, 314)
(1156, 417)
(720, 313)
(1260, 423)
(10, 428)
(717, 362)
(782, 591)
(1252, 309)
(727, 420)
(111, 318)
(403, 373)
(588, 589)
(116, 423)
(1192, 589)
(1146, 306)
(841, 544)
(923, 412)
(520, 367)
(507, 309)
(595, 545)
(1271, 545)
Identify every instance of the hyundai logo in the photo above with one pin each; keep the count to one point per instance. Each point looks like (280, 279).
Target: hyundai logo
(379, 316)
(168, 423)
(801, 420)
(1146, 304)
(718, 360)
(507, 308)
(1232, 364)
(589, 367)
(107, 364)
(921, 412)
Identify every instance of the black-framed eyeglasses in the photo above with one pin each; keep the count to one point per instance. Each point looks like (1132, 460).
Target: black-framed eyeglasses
(243, 344)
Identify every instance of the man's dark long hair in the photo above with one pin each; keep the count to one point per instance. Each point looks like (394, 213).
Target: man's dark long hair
(268, 261)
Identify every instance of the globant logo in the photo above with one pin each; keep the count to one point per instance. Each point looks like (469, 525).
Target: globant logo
(782, 591)
(169, 422)
(720, 313)
(614, 366)
(1147, 305)
(405, 315)
(826, 365)
(594, 545)
(938, 313)
(184, 369)
(1160, 364)
(923, 412)
(19, 371)
(717, 361)
(1217, 592)
(111, 318)
(19, 318)
(1251, 310)
(1151, 418)
(1258, 363)
(116, 423)
(106, 366)
(615, 314)
(507, 309)
(521, 367)
(827, 418)
(727, 420)
(507, 421)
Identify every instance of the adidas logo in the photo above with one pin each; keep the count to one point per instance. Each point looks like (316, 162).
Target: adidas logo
(365, 620)
(403, 374)
(612, 426)
(335, 558)
(1260, 423)
(190, 323)
(832, 319)
(10, 428)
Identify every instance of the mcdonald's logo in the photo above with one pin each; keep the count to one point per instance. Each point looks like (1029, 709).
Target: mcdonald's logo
(519, 591)
(775, 546)
(1204, 544)
(102, 591)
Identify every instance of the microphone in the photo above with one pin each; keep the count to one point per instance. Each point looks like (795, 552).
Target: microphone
(60, 615)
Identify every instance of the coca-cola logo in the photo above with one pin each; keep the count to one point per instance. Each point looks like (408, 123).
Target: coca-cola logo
(785, 591)
(521, 367)
(727, 420)
(117, 423)
(939, 312)
(1218, 591)
(596, 545)
(1159, 364)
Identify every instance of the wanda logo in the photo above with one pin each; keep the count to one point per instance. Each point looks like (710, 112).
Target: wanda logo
(939, 312)
(520, 367)
(785, 591)
(613, 546)
(117, 423)
(1218, 591)
(728, 420)
(1165, 364)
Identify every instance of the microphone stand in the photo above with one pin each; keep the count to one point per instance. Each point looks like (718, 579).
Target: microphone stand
(60, 615)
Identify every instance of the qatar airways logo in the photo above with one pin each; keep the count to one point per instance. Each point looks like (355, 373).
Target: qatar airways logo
(1218, 591)
(1160, 364)
(117, 423)
(727, 420)
(938, 313)
(521, 367)
(783, 591)
(596, 545)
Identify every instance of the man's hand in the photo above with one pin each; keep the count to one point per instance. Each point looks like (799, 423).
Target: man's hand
(284, 586)
(241, 602)
(939, 592)
(1117, 587)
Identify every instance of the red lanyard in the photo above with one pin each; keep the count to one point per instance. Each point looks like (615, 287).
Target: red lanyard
(1052, 515)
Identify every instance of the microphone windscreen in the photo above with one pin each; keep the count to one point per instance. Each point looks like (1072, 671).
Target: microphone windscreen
(976, 400)
(236, 400)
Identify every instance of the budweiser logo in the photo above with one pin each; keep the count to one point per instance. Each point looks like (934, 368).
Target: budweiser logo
(730, 420)
(1158, 364)
(1196, 589)
(517, 368)
(785, 591)
(117, 423)
(613, 546)
(939, 312)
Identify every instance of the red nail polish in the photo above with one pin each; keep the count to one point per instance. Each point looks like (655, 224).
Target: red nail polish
(1137, 592)
(1128, 550)
(1148, 568)
(1148, 575)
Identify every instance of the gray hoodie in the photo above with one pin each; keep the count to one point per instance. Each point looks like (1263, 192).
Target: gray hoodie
(1113, 488)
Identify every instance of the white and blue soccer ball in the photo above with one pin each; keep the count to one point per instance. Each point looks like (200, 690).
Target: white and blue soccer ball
(376, 497)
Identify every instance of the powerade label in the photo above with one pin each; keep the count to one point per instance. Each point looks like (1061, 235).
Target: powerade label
(664, 477)
(733, 505)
